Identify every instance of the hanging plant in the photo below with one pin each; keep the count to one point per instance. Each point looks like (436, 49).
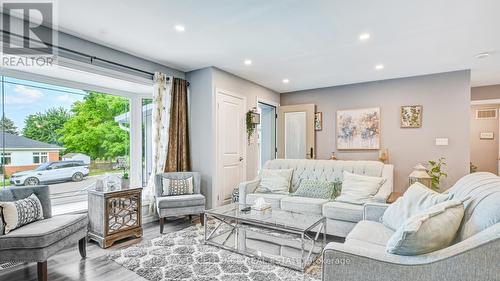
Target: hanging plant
(250, 125)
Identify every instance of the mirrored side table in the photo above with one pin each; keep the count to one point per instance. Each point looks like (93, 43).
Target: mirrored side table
(114, 215)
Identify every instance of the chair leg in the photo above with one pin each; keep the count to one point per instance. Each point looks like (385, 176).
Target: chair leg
(42, 270)
(162, 222)
(202, 219)
(82, 247)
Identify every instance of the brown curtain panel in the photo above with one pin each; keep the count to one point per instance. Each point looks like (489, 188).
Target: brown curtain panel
(178, 158)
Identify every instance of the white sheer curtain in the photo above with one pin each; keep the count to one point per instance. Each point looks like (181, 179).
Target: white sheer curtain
(160, 125)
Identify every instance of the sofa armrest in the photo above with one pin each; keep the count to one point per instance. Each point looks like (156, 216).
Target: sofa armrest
(374, 211)
(472, 259)
(388, 187)
(245, 188)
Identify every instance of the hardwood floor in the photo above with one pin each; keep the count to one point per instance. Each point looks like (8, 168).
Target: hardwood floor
(68, 265)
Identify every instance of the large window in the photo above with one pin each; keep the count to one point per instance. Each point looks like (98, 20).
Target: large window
(40, 157)
(68, 138)
(5, 158)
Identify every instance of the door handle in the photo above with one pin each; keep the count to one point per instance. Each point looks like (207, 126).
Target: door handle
(241, 158)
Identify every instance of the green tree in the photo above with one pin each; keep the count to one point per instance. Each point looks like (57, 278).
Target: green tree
(45, 126)
(7, 125)
(92, 129)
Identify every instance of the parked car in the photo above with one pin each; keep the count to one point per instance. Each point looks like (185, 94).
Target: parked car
(52, 172)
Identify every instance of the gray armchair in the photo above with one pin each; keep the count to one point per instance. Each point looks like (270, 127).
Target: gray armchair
(37, 241)
(179, 205)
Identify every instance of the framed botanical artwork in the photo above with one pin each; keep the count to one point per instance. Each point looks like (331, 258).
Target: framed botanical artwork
(411, 116)
(358, 129)
(318, 121)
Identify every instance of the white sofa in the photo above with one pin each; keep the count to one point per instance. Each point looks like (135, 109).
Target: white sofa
(341, 217)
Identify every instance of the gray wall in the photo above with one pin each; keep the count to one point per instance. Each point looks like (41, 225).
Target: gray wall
(446, 101)
(200, 127)
(202, 94)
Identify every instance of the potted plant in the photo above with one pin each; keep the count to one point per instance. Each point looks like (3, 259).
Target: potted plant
(125, 180)
(436, 172)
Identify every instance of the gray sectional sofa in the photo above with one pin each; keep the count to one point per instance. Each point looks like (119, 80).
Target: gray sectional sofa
(341, 217)
(475, 255)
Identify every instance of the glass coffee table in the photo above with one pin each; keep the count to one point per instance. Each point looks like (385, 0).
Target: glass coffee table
(293, 240)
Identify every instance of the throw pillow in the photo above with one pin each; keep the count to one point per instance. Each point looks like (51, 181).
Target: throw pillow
(358, 189)
(315, 189)
(173, 187)
(2, 226)
(21, 212)
(275, 181)
(416, 199)
(428, 231)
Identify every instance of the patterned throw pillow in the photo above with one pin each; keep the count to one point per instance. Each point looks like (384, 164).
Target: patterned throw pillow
(316, 189)
(172, 187)
(21, 212)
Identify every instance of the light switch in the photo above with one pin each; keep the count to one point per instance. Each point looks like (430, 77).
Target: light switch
(441, 141)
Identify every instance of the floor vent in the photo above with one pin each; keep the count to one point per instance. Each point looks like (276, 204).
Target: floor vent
(486, 113)
(7, 265)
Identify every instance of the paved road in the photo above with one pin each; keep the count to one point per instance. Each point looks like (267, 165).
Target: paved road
(66, 192)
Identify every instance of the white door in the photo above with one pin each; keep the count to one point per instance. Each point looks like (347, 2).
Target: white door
(296, 131)
(230, 142)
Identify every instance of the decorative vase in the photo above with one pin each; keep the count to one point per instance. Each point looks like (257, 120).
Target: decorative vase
(125, 183)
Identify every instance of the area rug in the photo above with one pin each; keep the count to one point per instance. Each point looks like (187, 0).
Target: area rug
(182, 255)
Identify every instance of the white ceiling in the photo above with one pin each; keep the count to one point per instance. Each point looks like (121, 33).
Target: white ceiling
(313, 43)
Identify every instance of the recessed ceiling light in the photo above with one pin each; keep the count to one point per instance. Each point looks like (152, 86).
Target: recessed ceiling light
(180, 28)
(248, 62)
(379, 67)
(482, 55)
(286, 81)
(364, 36)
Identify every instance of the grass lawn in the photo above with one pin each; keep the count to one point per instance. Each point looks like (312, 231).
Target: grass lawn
(5, 183)
(97, 172)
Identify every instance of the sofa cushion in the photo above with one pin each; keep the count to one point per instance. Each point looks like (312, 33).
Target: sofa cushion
(416, 199)
(272, 198)
(21, 212)
(429, 231)
(179, 201)
(359, 189)
(275, 181)
(43, 233)
(482, 210)
(343, 211)
(303, 204)
(315, 189)
(370, 232)
(324, 170)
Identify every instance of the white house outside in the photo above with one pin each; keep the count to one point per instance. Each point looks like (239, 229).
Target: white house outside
(22, 154)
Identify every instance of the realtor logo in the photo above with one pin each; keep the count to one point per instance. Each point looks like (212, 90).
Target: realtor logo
(28, 31)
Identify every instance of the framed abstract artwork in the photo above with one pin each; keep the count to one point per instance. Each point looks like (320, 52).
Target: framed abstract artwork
(411, 116)
(318, 121)
(358, 129)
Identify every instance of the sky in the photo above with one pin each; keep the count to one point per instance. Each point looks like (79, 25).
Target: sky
(23, 98)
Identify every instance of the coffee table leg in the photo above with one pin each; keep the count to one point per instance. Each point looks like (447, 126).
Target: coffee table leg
(302, 262)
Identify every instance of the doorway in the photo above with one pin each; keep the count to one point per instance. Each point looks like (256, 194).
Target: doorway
(266, 132)
(484, 137)
(230, 144)
(296, 136)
